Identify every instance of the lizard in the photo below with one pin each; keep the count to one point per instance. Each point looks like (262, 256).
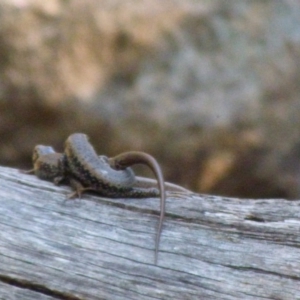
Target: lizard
(47, 166)
(81, 167)
(53, 166)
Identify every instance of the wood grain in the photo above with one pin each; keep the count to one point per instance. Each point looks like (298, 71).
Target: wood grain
(99, 248)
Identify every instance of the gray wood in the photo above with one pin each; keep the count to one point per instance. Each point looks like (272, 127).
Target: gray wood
(99, 248)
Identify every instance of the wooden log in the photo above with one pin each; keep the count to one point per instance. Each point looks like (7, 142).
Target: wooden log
(98, 248)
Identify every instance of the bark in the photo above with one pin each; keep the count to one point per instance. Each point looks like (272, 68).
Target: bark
(98, 248)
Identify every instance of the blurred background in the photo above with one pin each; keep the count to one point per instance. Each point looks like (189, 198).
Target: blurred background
(210, 88)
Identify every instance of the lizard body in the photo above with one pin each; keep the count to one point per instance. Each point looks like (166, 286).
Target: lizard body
(95, 173)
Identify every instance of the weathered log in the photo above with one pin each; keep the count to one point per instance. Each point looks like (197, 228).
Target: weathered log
(98, 248)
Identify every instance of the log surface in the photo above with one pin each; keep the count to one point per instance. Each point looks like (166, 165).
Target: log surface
(98, 248)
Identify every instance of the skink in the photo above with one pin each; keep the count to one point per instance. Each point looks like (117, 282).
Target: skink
(109, 177)
(46, 165)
